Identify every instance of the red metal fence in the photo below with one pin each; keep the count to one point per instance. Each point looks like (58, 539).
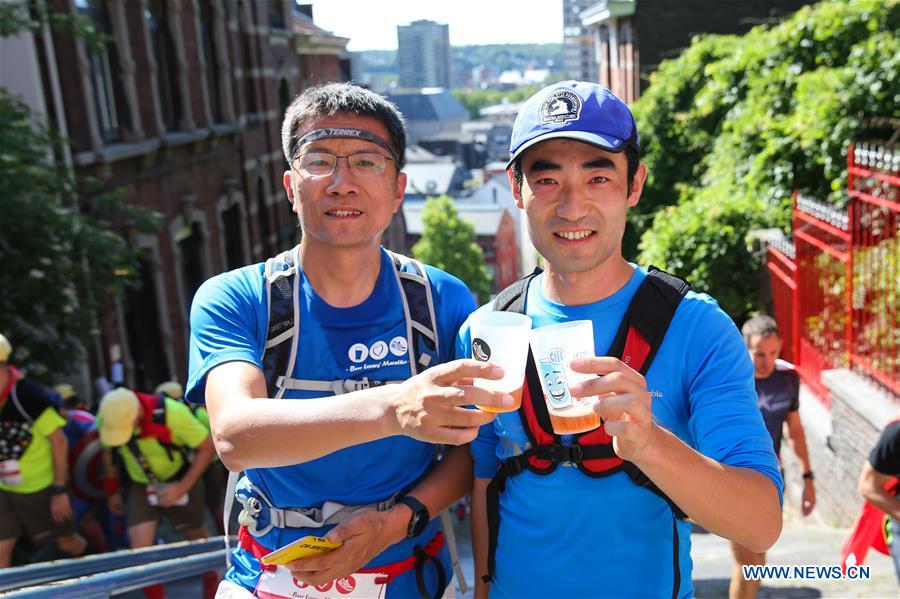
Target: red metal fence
(835, 289)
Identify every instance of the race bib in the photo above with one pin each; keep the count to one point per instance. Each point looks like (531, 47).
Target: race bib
(279, 584)
(10, 475)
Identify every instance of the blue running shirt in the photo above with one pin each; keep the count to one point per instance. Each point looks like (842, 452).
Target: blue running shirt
(569, 535)
(228, 322)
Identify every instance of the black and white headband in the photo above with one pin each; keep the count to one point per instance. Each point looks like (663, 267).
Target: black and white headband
(345, 132)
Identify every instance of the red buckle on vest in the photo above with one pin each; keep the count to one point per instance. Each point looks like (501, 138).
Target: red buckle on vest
(636, 349)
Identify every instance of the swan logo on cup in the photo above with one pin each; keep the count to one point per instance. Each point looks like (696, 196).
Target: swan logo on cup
(481, 351)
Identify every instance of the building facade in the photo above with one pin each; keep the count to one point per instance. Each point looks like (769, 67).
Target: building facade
(631, 37)
(182, 114)
(579, 57)
(423, 54)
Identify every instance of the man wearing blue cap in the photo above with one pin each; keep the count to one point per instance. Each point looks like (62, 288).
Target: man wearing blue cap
(604, 513)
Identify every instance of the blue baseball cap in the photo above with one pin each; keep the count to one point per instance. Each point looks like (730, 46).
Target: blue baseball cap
(577, 110)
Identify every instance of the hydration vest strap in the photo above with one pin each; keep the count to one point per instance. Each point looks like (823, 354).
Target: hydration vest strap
(638, 477)
(636, 342)
(282, 296)
(676, 558)
(513, 298)
(447, 524)
(418, 311)
(331, 512)
(141, 460)
(391, 571)
(15, 399)
(423, 557)
(336, 387)
(648, 318)
(230, 487)
(281, 344)
(494, 489)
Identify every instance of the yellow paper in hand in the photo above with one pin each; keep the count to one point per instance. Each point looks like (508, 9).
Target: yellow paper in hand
(299, 549)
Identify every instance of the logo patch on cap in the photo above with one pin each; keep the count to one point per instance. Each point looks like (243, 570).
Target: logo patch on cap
(561, 106)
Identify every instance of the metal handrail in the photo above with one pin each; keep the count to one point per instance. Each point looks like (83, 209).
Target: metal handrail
(102, 585)
(33, 574)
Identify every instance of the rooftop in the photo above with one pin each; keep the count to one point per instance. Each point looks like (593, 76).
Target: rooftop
(436, 105)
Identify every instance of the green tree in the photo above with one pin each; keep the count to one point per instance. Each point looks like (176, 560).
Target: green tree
(449, 244)
(60, 261)
(732, 126)
(475, 100)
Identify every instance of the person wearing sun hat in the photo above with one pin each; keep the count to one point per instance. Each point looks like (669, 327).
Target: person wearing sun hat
(678, 422)
(34, 498)
(155, 436)
(215, 476)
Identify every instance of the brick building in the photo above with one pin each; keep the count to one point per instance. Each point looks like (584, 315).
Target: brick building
(495, 233)
(631, 37)
(182, 115)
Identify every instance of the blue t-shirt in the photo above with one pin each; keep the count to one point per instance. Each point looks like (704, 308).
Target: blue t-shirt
(229, 319)
(609, 536)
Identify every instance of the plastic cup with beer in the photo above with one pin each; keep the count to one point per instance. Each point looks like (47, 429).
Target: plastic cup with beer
(554, 346)
(502, 339)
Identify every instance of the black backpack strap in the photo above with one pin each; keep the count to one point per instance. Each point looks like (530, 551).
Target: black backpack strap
(158, 416)
(513, 298)
(638, 340)
(279, 353)
(141, 460)
(642, 480)
(648, 318)
(418, 309)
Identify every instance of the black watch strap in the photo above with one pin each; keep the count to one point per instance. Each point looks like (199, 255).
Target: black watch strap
(58, 489)
(808, 475)
(420, 516)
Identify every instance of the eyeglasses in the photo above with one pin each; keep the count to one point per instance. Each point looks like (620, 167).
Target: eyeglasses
(322, 164)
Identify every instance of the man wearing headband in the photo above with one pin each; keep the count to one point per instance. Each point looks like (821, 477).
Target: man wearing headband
(603, 513)
(305, 365)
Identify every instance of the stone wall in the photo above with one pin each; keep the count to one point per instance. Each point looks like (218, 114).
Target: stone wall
(839, 442)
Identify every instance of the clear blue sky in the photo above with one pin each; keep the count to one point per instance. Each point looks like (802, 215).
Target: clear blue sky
(372, 24)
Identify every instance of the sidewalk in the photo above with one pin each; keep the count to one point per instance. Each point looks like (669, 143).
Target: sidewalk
(800, 544)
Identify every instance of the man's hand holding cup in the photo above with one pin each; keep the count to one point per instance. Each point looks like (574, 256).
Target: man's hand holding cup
(623, 403)
(432, 406)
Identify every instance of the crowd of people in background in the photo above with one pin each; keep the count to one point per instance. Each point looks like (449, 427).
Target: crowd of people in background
(80, 477)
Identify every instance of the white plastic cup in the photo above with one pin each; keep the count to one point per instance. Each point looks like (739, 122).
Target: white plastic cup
(554, 347)
(502, 339)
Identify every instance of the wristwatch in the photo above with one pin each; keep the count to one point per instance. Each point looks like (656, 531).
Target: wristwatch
(808, 475)
(58, 489)
(420, 516)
